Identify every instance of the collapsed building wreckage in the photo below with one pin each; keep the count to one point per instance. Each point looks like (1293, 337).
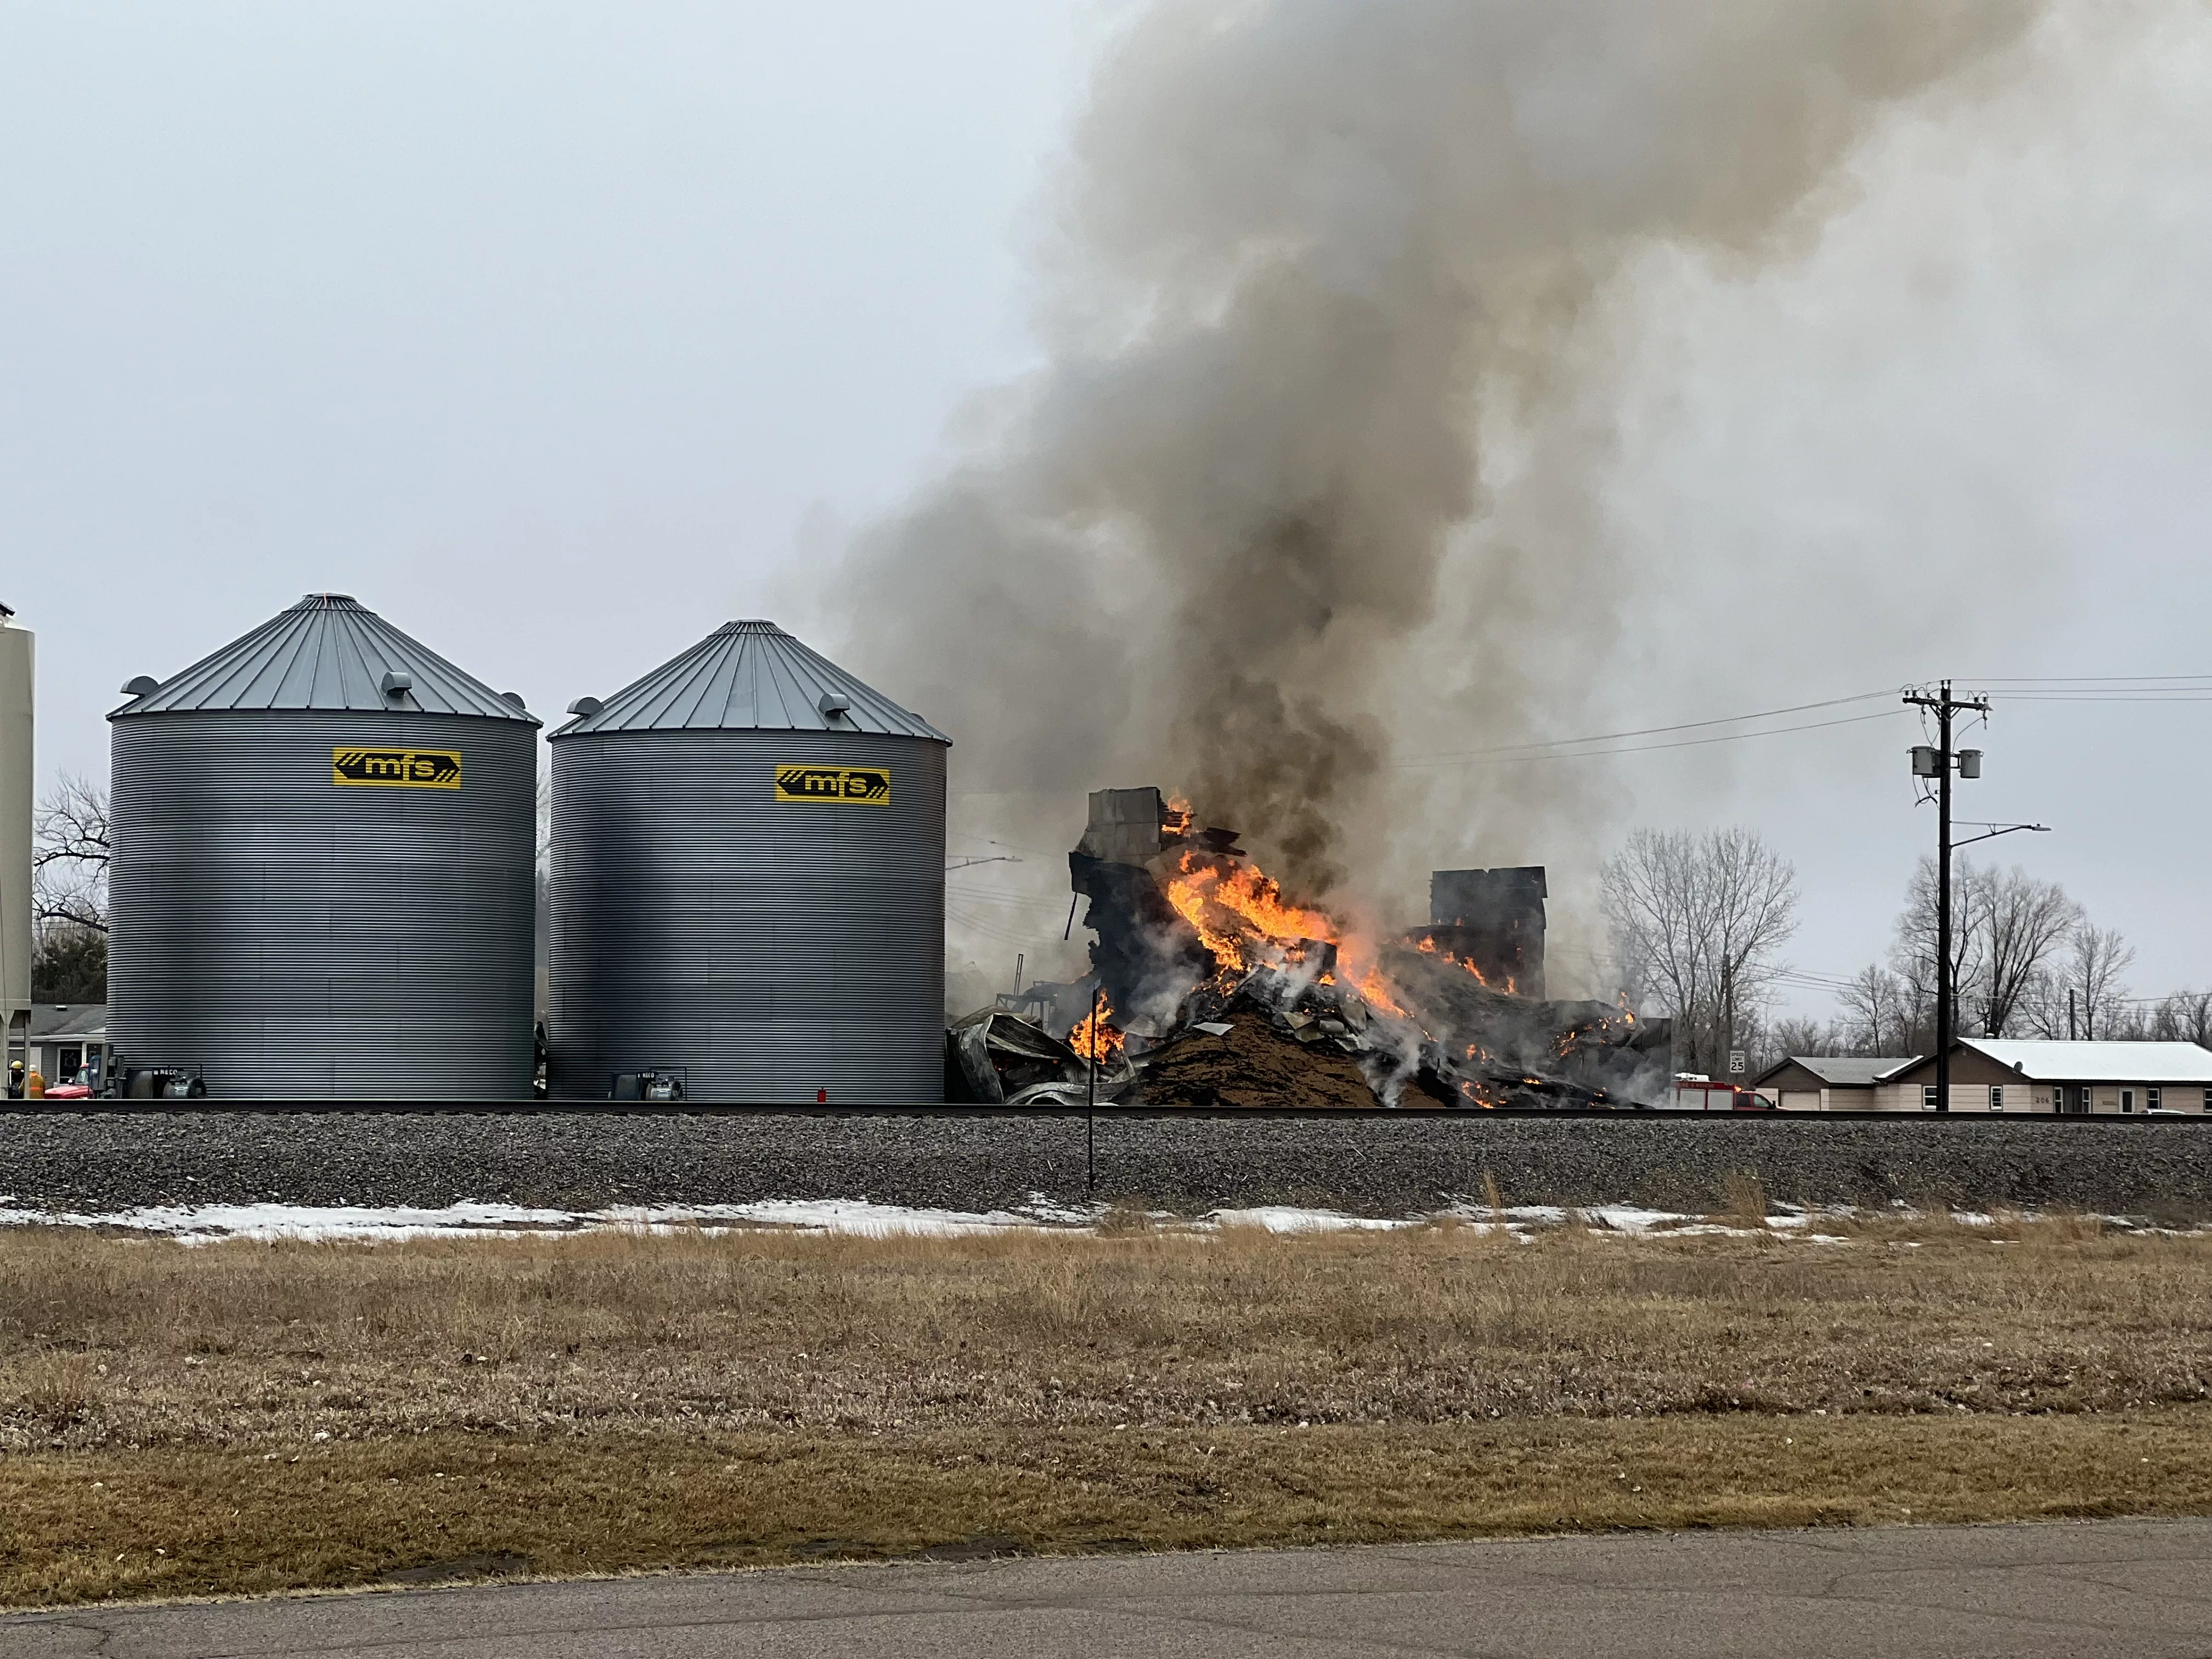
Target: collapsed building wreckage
(1209, 988)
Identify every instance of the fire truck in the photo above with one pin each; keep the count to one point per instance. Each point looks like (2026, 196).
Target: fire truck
(1701, 1094)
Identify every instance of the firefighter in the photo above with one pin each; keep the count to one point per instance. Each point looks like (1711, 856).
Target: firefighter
(15, 1080)
(34, 1086)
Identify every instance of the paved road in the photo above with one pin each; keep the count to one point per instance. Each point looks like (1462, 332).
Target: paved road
(2138, 1589)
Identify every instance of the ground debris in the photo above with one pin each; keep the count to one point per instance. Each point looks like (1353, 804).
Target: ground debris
(1252, 1065)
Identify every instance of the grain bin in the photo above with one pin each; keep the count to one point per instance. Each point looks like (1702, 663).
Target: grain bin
(747, 885)
(322, 881)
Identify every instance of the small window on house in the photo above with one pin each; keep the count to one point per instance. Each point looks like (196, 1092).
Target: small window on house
(2150, 1100)
(1928, 1097)
(1996, 1097)
(2127, 1100)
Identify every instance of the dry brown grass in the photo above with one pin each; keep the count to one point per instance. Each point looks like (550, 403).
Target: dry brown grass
(1743, 1200)
(79, 1525)
(888, 1378)
(107, 1341)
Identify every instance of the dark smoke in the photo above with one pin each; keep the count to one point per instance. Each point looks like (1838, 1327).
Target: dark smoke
(1318, 259)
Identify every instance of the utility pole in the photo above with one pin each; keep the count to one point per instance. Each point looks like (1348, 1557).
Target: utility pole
(1938, 763)
(1727, 1020)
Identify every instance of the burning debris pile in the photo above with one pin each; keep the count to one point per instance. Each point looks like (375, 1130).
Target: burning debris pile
(1215, 989)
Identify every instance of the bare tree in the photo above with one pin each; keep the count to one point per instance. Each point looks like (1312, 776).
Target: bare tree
(1914, 951)
(2043, 1010)
(2099, 957)
(2023, 923)
(2183, 1017)
(1881, 1015)
(70, 857)
(2008, 927)
(1705, 914)
(1786, 1038)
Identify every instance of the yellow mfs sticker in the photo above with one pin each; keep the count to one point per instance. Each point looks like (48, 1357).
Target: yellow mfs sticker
(855, 786)
(396, 769)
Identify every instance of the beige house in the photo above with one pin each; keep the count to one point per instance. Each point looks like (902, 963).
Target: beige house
(1998, 1075)
(1825, 1083)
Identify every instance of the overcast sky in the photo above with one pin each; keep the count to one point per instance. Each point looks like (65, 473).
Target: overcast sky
(559, 333)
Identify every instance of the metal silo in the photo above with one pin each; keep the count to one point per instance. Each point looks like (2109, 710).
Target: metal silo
(747, 883)
(322, 879)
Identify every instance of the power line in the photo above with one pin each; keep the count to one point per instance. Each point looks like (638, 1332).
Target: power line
(971, 895)
(1648, 748)
(1663, 731)
(2081, 679)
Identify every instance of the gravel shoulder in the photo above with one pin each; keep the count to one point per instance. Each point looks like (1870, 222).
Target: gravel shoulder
(1368, 1163)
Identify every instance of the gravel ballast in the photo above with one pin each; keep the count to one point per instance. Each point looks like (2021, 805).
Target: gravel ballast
(1375, 1164)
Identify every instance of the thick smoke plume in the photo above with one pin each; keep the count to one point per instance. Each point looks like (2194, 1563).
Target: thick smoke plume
(1319, 269)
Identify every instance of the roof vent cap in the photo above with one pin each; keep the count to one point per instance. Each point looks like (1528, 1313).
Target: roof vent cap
(585, 706)
(832, 704)
(397, 684)
(139, 684)
(514, 697)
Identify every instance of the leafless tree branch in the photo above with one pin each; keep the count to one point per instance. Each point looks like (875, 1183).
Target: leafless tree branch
(1704, 916)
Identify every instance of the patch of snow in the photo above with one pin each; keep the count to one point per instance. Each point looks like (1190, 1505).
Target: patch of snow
(1282, 1218)
(203, 1224)
(1624, 1220)
(198, 1224)
(838, 1215)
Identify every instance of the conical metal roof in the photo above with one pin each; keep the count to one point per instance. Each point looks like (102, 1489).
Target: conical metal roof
(749, 676)
(329, 651)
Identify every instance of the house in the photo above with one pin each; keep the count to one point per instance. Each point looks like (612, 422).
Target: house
(1825, 1083)
(1998, 1075)
(68, 1037)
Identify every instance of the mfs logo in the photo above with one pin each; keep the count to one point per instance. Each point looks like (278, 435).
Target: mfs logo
(396, 769)
(859, 786)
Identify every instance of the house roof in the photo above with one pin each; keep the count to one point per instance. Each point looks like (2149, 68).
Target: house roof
(750, 676)
(51, 1021)
(1844, 1071)
(328, 652)
(2099, 1062)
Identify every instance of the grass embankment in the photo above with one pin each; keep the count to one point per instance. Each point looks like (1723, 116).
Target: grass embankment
(245, 1416)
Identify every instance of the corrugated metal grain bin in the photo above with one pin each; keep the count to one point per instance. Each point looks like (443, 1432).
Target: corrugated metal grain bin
(747, 883)
(322, 882)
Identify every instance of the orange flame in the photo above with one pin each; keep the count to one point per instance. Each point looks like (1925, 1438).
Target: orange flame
(1429, 947)
(1240, 914)
(1093, 1039)
(1181, 816)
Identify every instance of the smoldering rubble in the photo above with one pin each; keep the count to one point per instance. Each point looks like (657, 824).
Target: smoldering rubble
(1210, 988)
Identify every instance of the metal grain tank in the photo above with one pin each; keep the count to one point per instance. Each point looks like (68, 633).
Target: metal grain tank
(747, 885)
(322, 881)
